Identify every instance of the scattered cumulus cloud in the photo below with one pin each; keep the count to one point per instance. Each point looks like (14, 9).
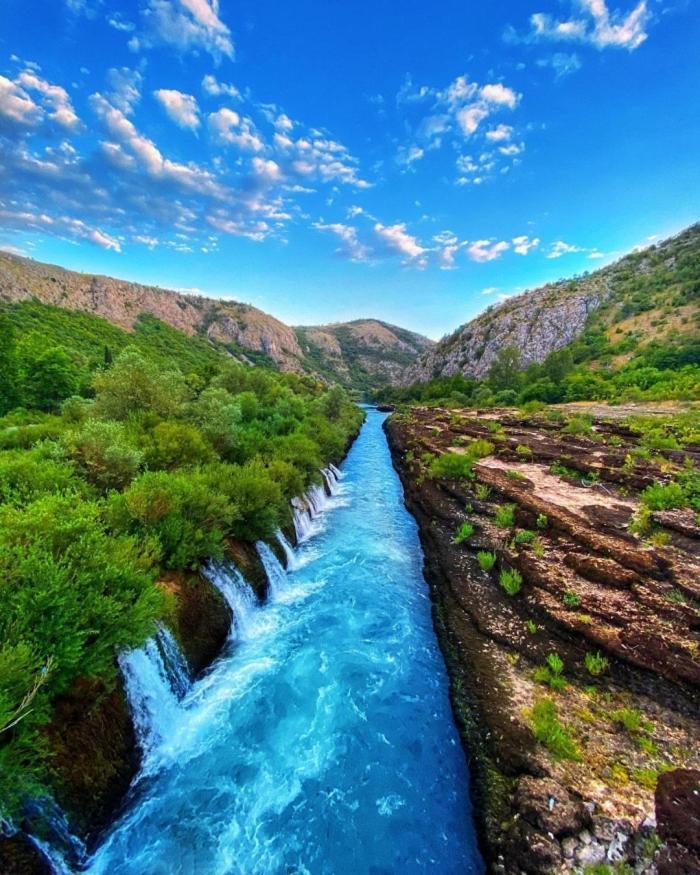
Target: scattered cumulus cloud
(592, 22)
(523, 244)
(186, 25)
(214, 88)
(181, 108)
(560, 248)
(562, 63)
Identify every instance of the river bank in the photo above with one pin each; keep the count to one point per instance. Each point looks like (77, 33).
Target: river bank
(322, 738)
(588, 587)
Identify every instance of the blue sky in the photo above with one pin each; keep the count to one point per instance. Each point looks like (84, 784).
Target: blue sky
(330, 160)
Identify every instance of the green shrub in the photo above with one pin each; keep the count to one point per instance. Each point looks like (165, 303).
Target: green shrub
(550, 732)
(103, 453)
(664, 497)
(135, 384)
(542, 521)
(486, 560)
(465, 531)
(483, 492)
(525, 536)
(631, 719)
(505, 516)
(511, 581)
(451, 466)
(596, 664)
(531, 626)
(523, 451)
(571, 599)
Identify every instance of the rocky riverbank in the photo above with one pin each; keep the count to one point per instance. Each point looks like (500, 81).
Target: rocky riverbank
(577, 693)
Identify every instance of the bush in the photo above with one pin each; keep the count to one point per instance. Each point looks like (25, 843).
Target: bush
(571, 599)
(505, 516)
(664, 497)
(137, 385)
(187, 514)
(511, 581)
(465, 531)
(596, 664)
(451, 466)
(549, 731)
(177, 445)
(103, 454)
(486, 560)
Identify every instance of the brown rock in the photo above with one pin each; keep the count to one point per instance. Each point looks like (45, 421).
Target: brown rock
(678, 807)
(531, 851)
(549, 807)
(601, 570)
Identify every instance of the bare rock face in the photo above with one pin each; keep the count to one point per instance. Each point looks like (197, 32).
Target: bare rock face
(363, 354)
(678, 821)
(546, 805)
(545, 319)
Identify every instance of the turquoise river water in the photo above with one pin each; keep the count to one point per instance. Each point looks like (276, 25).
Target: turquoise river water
(322, 741)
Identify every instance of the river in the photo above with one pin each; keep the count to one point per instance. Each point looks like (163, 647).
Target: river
(322, 741)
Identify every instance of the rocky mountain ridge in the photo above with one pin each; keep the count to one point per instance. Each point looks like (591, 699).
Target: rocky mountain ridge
(361, 355)
(549, 318)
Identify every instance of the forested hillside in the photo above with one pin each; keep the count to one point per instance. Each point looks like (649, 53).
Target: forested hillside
(628, 331)
(361, 355)
(126, 461)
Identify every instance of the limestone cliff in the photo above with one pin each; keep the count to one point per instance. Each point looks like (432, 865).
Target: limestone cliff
(538, 322)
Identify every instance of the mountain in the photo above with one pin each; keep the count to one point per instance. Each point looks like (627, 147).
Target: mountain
(652, 294)
(361, 355)
(364, 353)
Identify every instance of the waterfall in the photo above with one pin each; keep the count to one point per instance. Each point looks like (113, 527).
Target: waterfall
(60, 848)
(156, 677)
(238, 593)
(317, 498)
(337, 473)
(302, 519)
(290, 555)
(276, 575)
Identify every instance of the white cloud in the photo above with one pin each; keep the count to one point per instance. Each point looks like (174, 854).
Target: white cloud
(563, 63)
(491, 290)
(228, 126)
(351, 247)
(63, 226)
(182, 108)
(188, 25)
(487, 250)
(512, 149)
(470, 117)
(54, 98)
(501, 95)
(560, 248)
(409, 154)
(214, 88)
(124, 88)
(397, 239)
(16, 105)
(499, 134)
(596, 25)
(523, 244)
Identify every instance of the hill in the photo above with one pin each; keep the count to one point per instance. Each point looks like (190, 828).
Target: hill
(647, 296)
(361, 355)
(364, 354)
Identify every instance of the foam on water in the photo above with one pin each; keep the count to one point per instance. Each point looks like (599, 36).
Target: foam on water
(323, 741)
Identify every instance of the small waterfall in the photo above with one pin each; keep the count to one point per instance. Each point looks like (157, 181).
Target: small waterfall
(317, 498)
(238, 593)
(290, 555)
(337, 473)
(302, 519)
(61, 849)
(276, 575)
(156, 677)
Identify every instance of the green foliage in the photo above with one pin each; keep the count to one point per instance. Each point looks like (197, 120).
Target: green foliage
(465, 531)
(103, 453)
(550, 732)
(542, 521)
(664, 497)
(482, 492)
(505, 516)
(180, 450)
(135, 384)
(511, 581)
(552, 673)
(571, 599)
(451, 466)
(596, 664)
(524, 536)
(486, 560)
(531, 627)
(632, 720)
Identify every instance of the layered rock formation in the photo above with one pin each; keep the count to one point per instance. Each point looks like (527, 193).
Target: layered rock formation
(577, 691)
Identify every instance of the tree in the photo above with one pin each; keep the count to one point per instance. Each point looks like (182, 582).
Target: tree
(49, 377)
(8, 365)
(505, 371)
(135, 385)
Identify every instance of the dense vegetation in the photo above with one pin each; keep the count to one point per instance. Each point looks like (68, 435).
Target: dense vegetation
(121, 456)
(586, 370)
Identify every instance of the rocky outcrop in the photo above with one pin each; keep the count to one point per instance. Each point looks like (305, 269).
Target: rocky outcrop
(362, 355)
(549, 318)
(365, 353)
(678, 819)
(578, 791)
